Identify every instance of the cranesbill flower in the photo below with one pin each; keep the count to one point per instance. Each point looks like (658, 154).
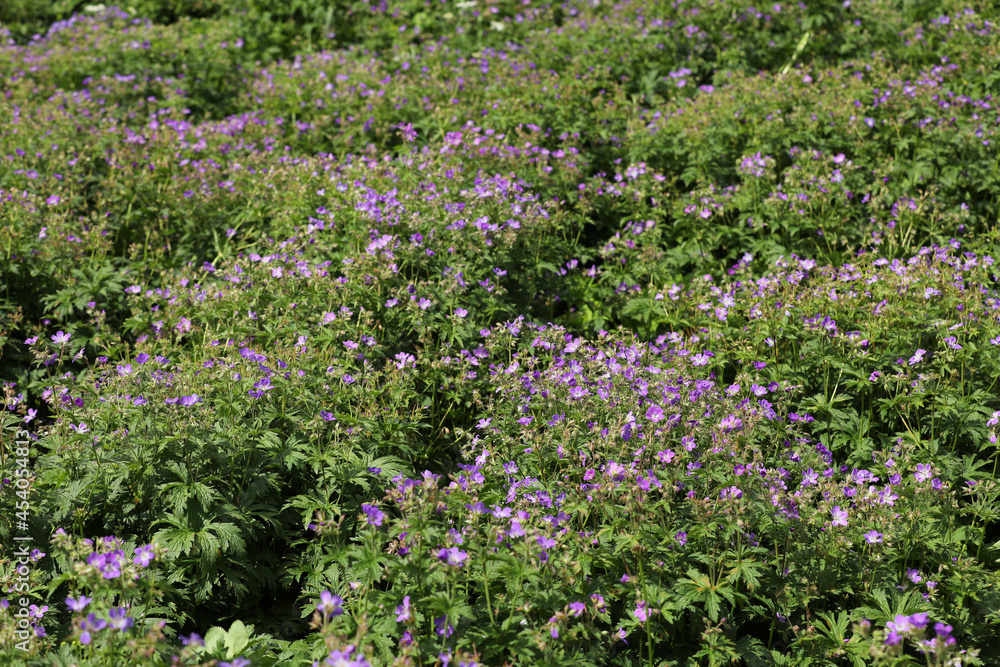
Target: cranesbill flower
(89, 625)
(873, 537)
(403, 611)
(442, 627)
(245, 662)
(119, 619)
(839, 516)
(917, 357)
(375, 515)
(78, 604)
(731, 492)
(641, 611)
(143, 555)
(60, 338)
(453, 556)
(923, 472)
(330, 604)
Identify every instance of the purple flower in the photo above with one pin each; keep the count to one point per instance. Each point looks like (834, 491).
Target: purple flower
(483, 423)
(901, 624)
(78, 604)
(143, 555)
(194, 639)
(810, 477)
(89, 625)
(681, 537)
(654, 413)
(330, 604)
(453, 556)
(442, 627)
(576, 608)
(403, 611)
(245, 662)
(731, 492)
(730, 423)
(141, 358)
(188, 400)
(923, 472)
(699, 359)
(873, 537)
(917, 357)
(839, 516)
(375, 515)
(545, 542)
(60, 338)
(641, 611)
(119, 619)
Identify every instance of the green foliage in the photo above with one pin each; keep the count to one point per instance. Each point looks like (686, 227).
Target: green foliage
(499, 332)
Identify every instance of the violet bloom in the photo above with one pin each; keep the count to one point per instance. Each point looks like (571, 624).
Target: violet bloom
(403, 611)
(453, 556)
(143, 555)
(78, 604)
(839, 516)
(89, 625)
(641, 612)
(923, 472)
(731, 492)
(681, 537)
(330, 604)
(188, 400)
(245, 662)
(375, 515)
(654, 413)
(60, 338)
(119, 619)
(442, 627)
(873, 537)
